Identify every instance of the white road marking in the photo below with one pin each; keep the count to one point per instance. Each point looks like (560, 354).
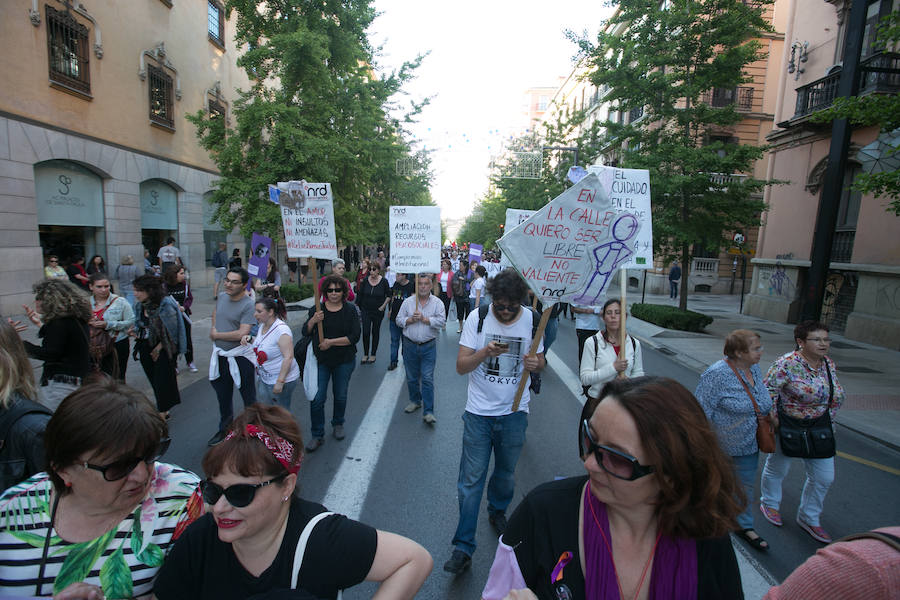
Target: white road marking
(570, 378)
(350, 485)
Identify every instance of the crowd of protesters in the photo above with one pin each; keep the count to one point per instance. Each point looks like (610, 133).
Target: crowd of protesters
(88, 447)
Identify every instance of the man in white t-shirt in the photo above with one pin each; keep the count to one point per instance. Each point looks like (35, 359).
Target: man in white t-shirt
(168, 254)
(494, 359)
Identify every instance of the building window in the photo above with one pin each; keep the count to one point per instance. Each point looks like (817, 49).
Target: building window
(67, 49)
(215, 23)
(216, 109)
(162, 110)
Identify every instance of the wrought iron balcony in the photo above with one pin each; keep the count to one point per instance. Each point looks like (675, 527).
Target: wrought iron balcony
(741, 97)
(879, 73)
(842, 246)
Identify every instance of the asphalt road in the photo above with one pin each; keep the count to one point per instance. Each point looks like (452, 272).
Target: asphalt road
(399, 474)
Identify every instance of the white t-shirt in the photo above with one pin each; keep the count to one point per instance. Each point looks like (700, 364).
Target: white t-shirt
(268, 342)
(168, 254)
(477, 284)
(493, 383)
(445, 279)
(589, 321)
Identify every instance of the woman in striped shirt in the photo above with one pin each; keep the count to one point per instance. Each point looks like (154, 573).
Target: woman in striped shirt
(100, 521)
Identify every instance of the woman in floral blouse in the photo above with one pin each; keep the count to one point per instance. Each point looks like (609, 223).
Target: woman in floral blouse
(803, 384)
(100, 521)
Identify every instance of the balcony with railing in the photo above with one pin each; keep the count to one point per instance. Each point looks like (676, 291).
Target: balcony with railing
(635, 113)
(741, 97)
(842, 246)
(879, 73)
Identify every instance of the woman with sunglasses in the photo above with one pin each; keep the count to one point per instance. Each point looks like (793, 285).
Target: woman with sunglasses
(373, 298)
(100, 521)
(649, 520)
(336, 356)
(249, 542)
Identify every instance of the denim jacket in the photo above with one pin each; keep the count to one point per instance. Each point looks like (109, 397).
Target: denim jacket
(170, 314)
(119, 316)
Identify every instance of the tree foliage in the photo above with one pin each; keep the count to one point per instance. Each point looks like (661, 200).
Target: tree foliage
(568, 129)
(316, 110)
(663, 61)
(876, 109)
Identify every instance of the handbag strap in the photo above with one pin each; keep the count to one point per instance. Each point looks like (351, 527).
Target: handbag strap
(891, 540)
(746, 388)
(301, 546)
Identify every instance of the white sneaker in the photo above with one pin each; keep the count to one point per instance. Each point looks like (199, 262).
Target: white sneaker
(192, 367)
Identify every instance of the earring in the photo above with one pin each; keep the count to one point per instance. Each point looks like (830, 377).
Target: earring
(68, 484)
(285, 499)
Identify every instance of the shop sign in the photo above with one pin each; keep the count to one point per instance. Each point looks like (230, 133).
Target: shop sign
(68, 194)
(159, 206)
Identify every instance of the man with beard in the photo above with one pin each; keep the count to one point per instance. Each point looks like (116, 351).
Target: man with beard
(494, 354)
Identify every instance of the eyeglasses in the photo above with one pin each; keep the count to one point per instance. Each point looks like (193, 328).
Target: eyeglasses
(513, 308)
(238, 495)
(616, 463)
(122, 468)
(819, 340)
(335, 291)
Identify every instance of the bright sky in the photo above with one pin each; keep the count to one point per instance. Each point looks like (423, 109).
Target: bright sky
(484, 55)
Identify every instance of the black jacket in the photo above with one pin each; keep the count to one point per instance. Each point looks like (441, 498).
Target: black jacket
(64, 348)
(22, 451)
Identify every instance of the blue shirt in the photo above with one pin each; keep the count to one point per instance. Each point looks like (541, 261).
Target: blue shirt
(729, 409)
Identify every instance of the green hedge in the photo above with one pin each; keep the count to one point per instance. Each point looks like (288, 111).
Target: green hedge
(291, 293)
(671, 317)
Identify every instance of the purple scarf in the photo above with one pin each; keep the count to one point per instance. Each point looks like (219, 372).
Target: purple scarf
(673, 573)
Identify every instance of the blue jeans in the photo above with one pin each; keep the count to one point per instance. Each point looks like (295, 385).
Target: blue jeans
(264, 393)
(340, 383)
(550, 333)
(419, 363)
(505, 436)
(745, 468)
(396, 334)
(673, 289)
(224, 387)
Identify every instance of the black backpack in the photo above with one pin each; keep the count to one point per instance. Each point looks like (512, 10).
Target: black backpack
(8, 420)
(535, 383)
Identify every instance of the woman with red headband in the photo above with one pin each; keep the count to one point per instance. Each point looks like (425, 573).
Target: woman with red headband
(259, 537)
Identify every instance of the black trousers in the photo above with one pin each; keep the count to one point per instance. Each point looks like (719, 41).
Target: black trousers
(445, 298)
(161, 375)
(189, 355)
(371, 330)
(583, 336)
(462, 309)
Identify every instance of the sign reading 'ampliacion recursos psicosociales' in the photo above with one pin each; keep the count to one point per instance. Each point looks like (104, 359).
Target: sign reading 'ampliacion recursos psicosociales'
(415, 239)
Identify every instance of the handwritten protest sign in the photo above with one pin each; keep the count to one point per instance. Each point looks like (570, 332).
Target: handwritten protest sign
(492, 268)
(289, 193)
(514, 217)
(475, 251)
(309, 231)
(629, 191)
(569, 250)
(415, 238)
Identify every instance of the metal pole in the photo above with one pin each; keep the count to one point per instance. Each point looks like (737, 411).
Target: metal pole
(644, 287)
(833, 183)
(743, 279)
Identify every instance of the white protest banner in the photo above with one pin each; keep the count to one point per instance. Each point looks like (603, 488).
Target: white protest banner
(629, 191)
(309, 231)
(569, 250)
(492, 268)
(514, 217)
(415, 239)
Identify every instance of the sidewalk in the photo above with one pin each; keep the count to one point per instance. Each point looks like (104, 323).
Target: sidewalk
(870, 374)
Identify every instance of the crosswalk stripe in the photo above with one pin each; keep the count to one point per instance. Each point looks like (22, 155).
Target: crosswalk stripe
(350, 485)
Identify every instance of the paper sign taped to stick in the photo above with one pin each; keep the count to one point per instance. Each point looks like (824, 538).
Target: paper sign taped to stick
(415, 234)
(514, 217)
(260, 249)
(289, 193)
(629, 191)
(309, 231)
(570, 249)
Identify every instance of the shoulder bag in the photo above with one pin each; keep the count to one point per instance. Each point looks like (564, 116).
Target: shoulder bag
(765, 429)
(808, 438)
(301, 549)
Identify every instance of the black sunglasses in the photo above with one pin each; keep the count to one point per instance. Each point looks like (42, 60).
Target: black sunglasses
(513, 308)
(121, 468)
(335, 291)
(616, 463)
(238, 495)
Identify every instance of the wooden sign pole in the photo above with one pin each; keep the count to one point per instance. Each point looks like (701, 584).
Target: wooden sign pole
(623, 280)
(523, 381)
(318, 292)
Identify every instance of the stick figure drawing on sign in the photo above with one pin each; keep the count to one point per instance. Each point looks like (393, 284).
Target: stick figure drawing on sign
(610, 255)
